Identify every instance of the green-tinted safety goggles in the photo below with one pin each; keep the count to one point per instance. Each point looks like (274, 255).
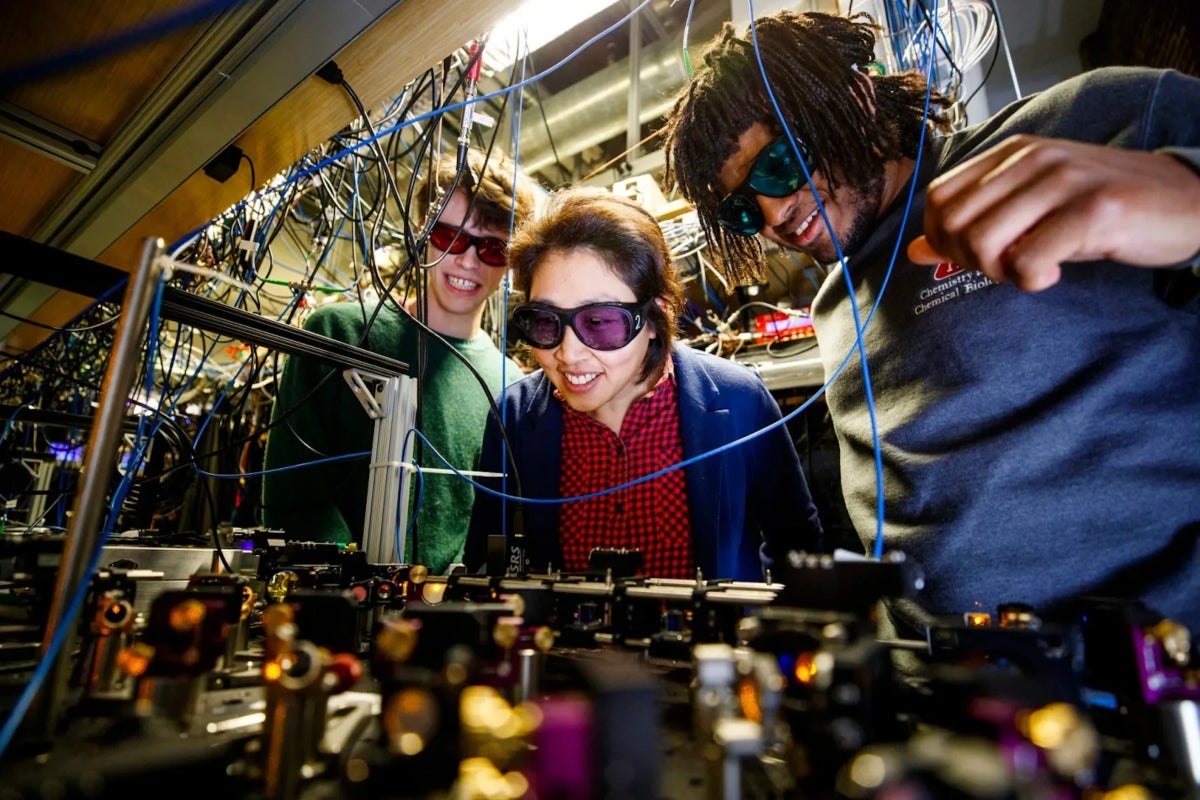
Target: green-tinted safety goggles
(775, 173)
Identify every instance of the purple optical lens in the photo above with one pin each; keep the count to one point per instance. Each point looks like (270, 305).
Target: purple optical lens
(543, 327)
(603, 327)
(600, 326)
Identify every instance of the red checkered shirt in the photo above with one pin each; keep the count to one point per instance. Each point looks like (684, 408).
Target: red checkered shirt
(651, 516)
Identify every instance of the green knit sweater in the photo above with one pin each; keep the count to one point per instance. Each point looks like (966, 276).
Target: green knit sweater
(327, 502)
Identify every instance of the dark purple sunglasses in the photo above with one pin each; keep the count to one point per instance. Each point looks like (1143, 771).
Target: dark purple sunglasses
(600, 326)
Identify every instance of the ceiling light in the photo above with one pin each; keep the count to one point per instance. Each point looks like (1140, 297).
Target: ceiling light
(534, 24)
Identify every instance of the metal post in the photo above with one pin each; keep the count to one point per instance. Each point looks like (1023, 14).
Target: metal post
(45, 476)
(83, 537)
(633, 125)
(393, 406)
(1181, 721)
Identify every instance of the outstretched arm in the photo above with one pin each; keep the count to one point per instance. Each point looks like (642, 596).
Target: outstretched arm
(1021, 210)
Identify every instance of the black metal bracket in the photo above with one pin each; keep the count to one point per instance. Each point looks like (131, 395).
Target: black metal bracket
(47, 265)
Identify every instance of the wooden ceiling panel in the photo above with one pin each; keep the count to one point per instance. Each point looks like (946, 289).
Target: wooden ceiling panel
(415, 34)
(95, 98)
(29, 186)
(94, 101)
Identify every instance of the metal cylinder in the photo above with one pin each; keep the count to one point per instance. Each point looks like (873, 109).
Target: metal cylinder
(529, 664)
(1181, 719)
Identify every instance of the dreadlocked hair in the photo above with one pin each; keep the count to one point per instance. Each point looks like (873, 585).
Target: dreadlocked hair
(852, 123)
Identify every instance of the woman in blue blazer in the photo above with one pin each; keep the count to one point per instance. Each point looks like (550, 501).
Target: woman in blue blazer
(616, 399)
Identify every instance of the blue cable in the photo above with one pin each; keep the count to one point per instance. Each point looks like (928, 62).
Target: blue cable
(859, 325)
(542, 500)
(113, 44)
(804, 269)
(687, 27)
(13, 418)
(216, 404)
(277, 470)
(442, 110)
(712, 295)
(860, 345)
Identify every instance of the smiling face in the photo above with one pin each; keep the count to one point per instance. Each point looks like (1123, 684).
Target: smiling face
(600, 383)
(794, 221)
(460, 284)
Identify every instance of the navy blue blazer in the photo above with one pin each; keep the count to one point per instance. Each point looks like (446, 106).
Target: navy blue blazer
(749, 505)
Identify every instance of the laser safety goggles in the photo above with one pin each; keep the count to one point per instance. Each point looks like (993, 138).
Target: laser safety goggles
(774, 173)
(449, 239)
(600, 326)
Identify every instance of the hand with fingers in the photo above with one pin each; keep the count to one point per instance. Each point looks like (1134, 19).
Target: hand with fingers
(1024, 208)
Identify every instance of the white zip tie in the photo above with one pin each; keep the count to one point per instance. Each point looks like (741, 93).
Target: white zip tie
(168, 263)
(410, 467)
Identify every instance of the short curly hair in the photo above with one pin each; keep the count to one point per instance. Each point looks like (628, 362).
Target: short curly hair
(622, 234)
(815, 63)
(498, 191)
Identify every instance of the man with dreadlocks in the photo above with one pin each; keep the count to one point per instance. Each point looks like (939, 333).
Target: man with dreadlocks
(1039, 425)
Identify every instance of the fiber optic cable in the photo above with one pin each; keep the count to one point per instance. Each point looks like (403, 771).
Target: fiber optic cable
(860, 345)
(687, 26)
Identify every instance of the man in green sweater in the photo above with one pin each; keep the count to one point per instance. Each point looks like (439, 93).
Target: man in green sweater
(468, 251)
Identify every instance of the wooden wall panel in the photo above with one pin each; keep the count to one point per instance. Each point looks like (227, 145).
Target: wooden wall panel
(91, 100)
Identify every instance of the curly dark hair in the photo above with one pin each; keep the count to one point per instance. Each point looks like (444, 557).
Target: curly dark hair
(623, 235)
(816, 64)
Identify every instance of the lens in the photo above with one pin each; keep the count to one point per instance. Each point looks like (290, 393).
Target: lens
(448, 239)
(740, 215)
(603, 327)
(776, 172)
(540, 327)
(492, 251)
(600, 326)
(489, 249)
